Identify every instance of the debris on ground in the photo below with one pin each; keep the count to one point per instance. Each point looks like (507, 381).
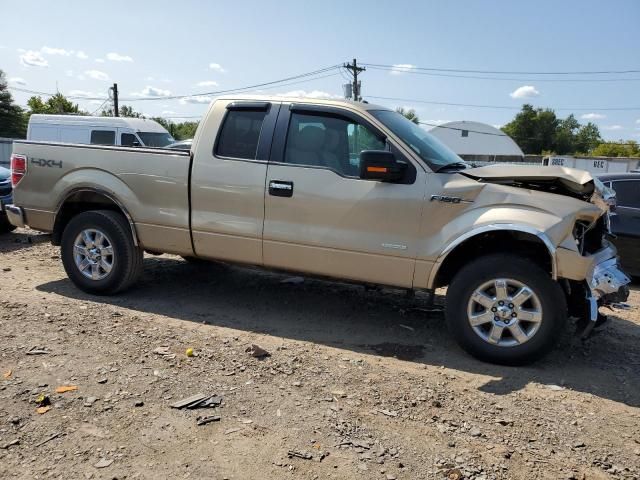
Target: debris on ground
(198, 400)
(189, 352)
(164, 351)
(48, 439)
(103, 463)
(43, 410)
(43, 400)
(300, 454)
(66, 388)
(10, 444)
(37, 351)
(207, 419)
(257, 351)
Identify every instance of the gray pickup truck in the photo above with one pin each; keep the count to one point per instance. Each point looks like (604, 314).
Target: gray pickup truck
(345, 190)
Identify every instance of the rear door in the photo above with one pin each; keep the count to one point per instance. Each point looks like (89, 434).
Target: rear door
(321, 218)
(228, 181)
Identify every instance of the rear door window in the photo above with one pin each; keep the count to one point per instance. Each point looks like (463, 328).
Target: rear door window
(627, 193)
(103, 137)
(240, 134)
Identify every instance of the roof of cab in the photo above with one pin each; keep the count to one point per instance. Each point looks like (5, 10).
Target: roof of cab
(137, 124)
(316, 101)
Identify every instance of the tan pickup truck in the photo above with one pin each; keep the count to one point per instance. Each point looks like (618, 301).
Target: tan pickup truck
(346, 190)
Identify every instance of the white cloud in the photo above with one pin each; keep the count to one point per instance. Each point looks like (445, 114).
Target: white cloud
(400, 68)
(81, 55)
(168, 112)
(150, 91)
(97, 75)
(16, 81)
(99, 60)
(199, 99)
(85, 94)
(311, 94)
(216, 67)
(56, 51)
(592, 116)
(33, 58)
(116, 57)
(613, 127)
(526, 91)
(207, 83)
(638, 121)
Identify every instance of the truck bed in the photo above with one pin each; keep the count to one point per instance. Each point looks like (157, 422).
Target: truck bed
(152, 185)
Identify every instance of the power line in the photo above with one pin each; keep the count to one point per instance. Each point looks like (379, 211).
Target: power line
(266, 85)
(403, 68)
(503, 107)
(239, 89)
(510, 79)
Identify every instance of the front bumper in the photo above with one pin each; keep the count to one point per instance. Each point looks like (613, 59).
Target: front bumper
(606, 283)
(15, 215)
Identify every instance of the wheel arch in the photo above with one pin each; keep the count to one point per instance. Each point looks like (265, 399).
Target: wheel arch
(508, 238)
(84, 199)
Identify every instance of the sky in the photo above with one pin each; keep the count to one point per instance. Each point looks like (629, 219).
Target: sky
(161, 48)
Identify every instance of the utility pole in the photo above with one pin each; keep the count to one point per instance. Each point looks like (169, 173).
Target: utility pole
(114, 89)
(355, 70)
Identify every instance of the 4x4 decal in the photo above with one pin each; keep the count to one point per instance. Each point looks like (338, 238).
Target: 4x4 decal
(43, 162)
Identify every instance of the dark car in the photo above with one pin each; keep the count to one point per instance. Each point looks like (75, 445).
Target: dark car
(5, 199)
(625, 224)
(181, 145)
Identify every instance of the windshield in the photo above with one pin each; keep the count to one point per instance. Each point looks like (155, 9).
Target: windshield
(156, 139)
(435, 153)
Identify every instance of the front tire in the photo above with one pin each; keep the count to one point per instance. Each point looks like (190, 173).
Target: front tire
(98, 252)
(505, 309)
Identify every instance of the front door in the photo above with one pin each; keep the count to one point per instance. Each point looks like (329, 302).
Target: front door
(321, 218)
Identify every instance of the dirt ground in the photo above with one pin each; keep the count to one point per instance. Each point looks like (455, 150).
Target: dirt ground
(361, 384)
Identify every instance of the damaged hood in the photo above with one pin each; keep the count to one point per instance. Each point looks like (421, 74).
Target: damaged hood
(579, 181)
(560, 180)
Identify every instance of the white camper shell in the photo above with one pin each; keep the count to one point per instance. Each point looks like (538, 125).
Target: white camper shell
(131, 132)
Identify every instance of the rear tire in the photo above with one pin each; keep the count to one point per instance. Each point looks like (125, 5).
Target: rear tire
(98, 252)
(492, 322)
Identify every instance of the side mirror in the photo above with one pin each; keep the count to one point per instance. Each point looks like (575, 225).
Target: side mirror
(135, 143)
(381, 165)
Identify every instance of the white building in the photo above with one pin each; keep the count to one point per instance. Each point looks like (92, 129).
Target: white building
(478, 141)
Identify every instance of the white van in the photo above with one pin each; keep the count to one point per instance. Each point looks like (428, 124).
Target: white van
(131, 132)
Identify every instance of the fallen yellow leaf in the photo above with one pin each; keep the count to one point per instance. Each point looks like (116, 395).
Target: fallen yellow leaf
(7, 374)
(42, 410)
(66, 388)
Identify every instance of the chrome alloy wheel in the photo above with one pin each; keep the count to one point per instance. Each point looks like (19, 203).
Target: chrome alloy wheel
(504, 312)
(93, 254)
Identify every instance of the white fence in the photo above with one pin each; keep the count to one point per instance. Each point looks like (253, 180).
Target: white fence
(6, 146)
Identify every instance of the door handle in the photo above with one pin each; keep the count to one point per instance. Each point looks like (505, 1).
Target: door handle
(280, 188)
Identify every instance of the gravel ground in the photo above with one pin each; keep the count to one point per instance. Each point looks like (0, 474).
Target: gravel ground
(359, 383)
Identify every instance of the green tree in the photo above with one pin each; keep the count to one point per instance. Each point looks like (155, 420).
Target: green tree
(539, 130)
(409, 114)
(57, 104)
(565, 135)
(124, 111)
(179, 131)
(12, 122)
(587, 138)
(622, 148)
